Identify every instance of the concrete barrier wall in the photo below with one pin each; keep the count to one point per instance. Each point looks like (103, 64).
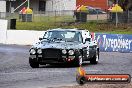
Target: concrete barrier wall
(114, 42)
(3, 30)
(106, 42)
(23, 37)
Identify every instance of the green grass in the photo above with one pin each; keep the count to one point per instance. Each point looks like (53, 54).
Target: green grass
(34, 26)
(45, 23)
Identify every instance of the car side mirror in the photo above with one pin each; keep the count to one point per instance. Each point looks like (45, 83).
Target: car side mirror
(40, 39)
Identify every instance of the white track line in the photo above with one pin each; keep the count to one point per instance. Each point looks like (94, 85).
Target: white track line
(33, 72)
(13, 73)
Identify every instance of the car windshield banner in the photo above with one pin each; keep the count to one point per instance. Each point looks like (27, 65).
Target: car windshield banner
(114, 42)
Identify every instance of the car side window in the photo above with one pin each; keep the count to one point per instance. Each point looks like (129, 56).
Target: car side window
(80, 37)
(47, 34)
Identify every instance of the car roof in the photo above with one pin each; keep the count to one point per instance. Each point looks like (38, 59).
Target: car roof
(72, 29)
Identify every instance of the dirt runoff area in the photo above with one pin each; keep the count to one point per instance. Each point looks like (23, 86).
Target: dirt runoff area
(127, 85)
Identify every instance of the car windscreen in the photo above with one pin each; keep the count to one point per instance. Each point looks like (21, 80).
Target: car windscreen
(69, 36)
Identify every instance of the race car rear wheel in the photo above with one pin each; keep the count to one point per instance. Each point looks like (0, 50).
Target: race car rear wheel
(33, 63)
(95, 59)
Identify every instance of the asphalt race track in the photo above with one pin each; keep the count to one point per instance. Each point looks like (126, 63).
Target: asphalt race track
(15, 71)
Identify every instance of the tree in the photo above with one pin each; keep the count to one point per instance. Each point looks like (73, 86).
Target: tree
(125, 4)
(126, 16)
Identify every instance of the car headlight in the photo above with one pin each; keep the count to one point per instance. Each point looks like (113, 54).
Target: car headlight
(71, 52)
(39, 51)
(32, 51)
(64, 51)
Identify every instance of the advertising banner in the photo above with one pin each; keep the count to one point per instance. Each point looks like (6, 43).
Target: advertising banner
(114, 42)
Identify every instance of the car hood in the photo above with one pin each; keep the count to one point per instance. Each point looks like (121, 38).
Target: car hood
(58, 45)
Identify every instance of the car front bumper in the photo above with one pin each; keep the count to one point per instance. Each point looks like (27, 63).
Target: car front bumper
(63, 59)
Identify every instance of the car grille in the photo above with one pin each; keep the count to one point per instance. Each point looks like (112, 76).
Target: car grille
(51, 53)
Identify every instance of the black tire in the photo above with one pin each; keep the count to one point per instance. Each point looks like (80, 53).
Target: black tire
(95, 59)
(33, 63)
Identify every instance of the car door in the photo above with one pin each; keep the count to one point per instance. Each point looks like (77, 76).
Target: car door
(86, 50)
(85, 35)
(92, 49)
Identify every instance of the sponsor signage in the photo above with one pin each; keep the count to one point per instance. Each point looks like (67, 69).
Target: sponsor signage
(83, 78)
(114, 42)
(110, 78)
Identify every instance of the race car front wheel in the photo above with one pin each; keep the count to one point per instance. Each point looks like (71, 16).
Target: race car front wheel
(33, 63)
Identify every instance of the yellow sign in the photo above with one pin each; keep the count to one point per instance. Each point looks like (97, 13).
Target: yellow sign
(82, 8)
(29, 11)
(116, 8)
